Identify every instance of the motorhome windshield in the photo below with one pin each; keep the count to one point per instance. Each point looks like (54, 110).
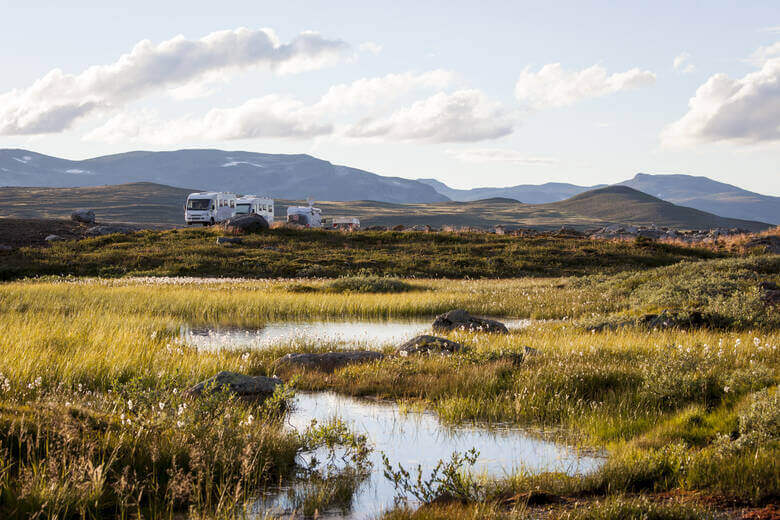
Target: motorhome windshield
(242, 209)
(199, 204)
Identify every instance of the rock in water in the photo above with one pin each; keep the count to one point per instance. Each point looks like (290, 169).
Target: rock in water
(460, 319)
(87, 216)
(327, 362)
(425, 344)
(252, 387)
(245, 224)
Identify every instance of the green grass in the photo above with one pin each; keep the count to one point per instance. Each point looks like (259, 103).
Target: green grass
(310, 253)
(679, 410)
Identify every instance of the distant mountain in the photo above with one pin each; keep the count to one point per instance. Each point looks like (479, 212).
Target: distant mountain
(686, 190)
(528, 193)
(709, 195)
(157, 204)
(276, 175)
(629, 206)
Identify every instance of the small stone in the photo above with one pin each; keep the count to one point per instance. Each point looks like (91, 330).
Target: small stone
(328, 361)
(239, 384)
(228, 241)
(460, 319)
(54, 238)
(425, 344)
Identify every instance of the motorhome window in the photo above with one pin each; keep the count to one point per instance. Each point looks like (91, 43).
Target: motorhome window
(198, 204)
(242, 209)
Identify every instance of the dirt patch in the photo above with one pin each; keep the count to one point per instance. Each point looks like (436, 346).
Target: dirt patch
(17, 232)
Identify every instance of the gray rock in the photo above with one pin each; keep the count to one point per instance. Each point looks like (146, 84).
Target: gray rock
(86, 216)
(228, 241)
(460, 319)
(99, 231)
(425, 344)
(326, 362)
(245, 224)
(239, 384)
(53, 238)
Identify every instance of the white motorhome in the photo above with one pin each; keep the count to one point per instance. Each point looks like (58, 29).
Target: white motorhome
(252, 204)
(307, 216)
(208, 208)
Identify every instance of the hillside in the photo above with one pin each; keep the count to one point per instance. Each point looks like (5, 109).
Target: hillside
(158, 204)
(709, 195)
(276, 175)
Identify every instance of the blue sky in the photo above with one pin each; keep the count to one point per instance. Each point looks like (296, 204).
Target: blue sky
(472, 93)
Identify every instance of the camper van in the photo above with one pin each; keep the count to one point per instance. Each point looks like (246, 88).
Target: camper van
(306, 216)
(252, 204)
(208, 208)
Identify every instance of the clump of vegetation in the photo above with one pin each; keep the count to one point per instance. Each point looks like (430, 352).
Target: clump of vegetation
(369, 284)
(449, 480)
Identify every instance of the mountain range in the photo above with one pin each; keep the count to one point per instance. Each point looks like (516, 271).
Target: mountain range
(297, 177)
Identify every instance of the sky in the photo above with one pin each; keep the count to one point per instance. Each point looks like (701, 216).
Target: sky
(485, 93)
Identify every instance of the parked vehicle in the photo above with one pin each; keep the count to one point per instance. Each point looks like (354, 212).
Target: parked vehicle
(306, 216)
(252, 204)
(208, 208)
(346, 223)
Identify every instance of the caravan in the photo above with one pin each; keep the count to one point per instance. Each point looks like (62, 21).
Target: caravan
(252, 204)
(208, 208)
(305, 216)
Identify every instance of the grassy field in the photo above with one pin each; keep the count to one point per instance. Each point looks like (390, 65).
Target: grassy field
(315, 253)
(95, 424)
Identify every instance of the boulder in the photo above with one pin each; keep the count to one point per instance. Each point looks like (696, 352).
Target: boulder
(460, 319)
(242, 224)
(328, 361)
(86, 216)
(425, 344)
(228, 241)
(252, 387)
(99, 231)
(53, 238)
(679, 319)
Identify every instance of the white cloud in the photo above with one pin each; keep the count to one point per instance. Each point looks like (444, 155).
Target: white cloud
(370, 92)
(462, 116)
(270, 116)
(553, 86)
(775, 29)
(482, 155)
(55, 101)
(370, 47)
(745, 110)
(682, 63)
(765, 53)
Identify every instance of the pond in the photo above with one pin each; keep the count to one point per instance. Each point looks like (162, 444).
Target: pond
(419, 438)
(354, 332)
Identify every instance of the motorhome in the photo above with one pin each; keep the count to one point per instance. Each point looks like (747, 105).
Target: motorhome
(208, 208)
(252, 204)
(306, 216)
(346, 223)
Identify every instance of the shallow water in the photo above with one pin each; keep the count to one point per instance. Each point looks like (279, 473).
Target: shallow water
(357, 333)
(418, 438)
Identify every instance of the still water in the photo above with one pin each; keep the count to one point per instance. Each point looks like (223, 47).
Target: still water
(419, 438)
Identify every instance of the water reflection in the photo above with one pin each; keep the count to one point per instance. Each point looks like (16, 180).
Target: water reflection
(419, 438)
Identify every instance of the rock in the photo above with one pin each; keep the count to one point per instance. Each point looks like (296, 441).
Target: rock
(227, 241)
(399, 227)
(252, 387)
(99, 231)
(425, 344)
(770, 293)
(529, 351)
(667, 319)
(53, 238)
(460, 319)
(328, 361)
(86, 216)
(768, 244)
(242, 224)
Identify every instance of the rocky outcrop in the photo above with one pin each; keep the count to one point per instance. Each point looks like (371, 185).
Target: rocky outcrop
(229, 241)
(425, 344)
(461, 320)
(243, 224)
(251, 387)
(326, 362)
(85, 216)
